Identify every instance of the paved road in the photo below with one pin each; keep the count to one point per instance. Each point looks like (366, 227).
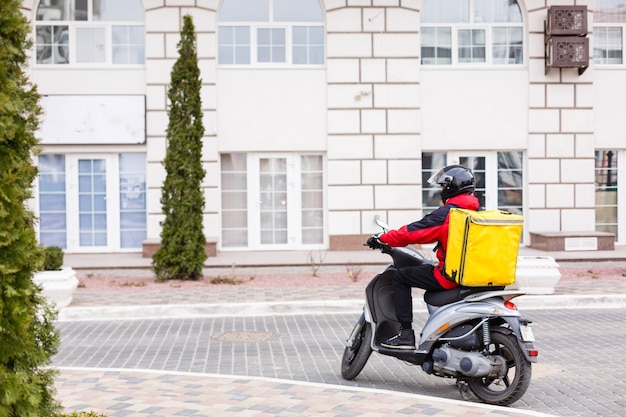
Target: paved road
(580, 371)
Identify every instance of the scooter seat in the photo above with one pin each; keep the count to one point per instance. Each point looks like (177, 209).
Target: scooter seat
(441, 298)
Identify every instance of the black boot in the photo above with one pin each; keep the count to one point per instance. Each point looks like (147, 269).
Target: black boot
(404, 340)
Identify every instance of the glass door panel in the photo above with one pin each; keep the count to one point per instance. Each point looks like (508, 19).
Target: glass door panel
(133, 219)
(234, 200)
(606, 174)
(477, 165)
(511, 181)
(52, 201)
(312, 199)
(486, 171)
(92, 199)
(273, 201)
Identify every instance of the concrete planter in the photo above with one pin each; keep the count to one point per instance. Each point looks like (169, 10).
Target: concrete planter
(536, 274)
(57, 286)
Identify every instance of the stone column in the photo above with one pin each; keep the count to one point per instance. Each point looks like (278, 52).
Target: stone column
(560, 138)
(374, 151)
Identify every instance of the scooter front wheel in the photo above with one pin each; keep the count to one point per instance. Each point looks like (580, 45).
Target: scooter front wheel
(355, 357)
(515, 379)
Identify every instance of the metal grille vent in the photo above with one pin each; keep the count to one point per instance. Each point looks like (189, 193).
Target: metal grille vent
(571, 52)
(570, 20)
(567, 20)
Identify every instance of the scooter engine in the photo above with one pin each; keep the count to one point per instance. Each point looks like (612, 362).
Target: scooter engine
(452, 362)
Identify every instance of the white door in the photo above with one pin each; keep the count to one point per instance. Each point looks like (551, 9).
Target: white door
(92, 203)
(272, 201)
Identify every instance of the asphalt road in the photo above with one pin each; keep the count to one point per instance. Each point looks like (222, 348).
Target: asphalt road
(580, 371)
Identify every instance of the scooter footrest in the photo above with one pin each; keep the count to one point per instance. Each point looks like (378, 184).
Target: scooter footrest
(415, 357)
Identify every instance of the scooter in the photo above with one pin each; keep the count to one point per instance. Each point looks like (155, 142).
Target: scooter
(473, 334)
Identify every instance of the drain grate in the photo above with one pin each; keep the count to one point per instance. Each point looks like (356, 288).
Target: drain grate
(246, 337)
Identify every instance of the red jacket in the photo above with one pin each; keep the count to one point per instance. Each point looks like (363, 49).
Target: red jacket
(432, 228)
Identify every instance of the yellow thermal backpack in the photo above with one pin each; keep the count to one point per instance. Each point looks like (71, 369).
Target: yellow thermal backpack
(482, 247)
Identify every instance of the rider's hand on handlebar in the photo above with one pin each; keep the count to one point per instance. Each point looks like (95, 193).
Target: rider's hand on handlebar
(374, 242)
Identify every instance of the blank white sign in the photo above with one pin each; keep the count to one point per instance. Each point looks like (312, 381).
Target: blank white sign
(98, 119)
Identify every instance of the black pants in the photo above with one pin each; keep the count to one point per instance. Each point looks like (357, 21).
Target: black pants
(403, 280)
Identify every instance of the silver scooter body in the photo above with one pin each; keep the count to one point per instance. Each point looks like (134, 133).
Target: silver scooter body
(473, 334)
(447, 310)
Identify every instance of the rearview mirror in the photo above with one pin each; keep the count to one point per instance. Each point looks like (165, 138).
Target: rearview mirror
(383, 225)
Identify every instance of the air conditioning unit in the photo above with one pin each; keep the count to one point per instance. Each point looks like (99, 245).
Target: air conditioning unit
(566, 42)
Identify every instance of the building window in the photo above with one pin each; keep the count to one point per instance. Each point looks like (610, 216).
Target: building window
(472, 32)
(609, 21)
(606, 170)
(90, 32)
(270, 32)
(498, 178)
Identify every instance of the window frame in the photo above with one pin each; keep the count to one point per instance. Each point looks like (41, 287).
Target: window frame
(271, 24)
(73, 26)
(608, 25)
(488, 27)
(606, 45)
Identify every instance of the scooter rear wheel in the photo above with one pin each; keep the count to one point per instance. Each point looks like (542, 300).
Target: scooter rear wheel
(512, 386)
(355, 357)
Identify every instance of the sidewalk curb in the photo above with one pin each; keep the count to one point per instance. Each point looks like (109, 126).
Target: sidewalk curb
(258, 309)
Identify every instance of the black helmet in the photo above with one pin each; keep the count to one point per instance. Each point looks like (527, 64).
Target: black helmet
(454, 180)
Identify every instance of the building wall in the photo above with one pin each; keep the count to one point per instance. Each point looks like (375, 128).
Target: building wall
(373, 110)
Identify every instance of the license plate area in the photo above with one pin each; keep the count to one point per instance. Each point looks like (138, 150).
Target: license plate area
(527, 334)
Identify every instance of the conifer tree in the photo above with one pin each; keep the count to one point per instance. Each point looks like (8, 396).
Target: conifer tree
(182, 251)
(28, 339)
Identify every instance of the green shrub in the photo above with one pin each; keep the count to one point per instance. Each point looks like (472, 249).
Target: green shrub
(28, 339)
(182, 254)
(52, 258)
(82, 414)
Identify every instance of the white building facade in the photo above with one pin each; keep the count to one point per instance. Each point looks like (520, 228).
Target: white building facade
(322, 115)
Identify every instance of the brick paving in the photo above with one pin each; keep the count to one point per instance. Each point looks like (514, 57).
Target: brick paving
(179, 390)
(166, 394)
(576, 374)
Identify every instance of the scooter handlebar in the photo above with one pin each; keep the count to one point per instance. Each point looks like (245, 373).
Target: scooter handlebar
(402, 256)
(374, 243)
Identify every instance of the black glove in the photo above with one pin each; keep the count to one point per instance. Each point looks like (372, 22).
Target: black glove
(374, 242)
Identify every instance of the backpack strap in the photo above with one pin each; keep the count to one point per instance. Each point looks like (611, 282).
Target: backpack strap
(439, 243)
